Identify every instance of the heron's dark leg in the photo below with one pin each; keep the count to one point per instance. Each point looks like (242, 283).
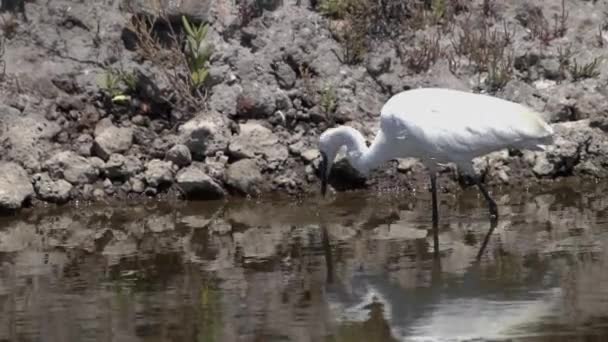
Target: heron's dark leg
(493, 215)
(491, 204)
(435, 213)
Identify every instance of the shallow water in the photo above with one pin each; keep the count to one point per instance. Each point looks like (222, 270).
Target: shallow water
(355, 267)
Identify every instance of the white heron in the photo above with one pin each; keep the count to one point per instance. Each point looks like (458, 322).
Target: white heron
(438, 126)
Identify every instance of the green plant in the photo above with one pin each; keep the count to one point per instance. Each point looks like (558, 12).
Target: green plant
(129, 80)
(333, 8)
(438, 9)
(328, 99)
(117, 84)
(198, 52)
(588, 70)
(110, 83)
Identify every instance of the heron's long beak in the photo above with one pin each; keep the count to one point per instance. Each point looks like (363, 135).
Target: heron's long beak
(324, 168)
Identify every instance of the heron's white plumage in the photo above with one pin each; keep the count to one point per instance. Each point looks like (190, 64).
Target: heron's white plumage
(455, 126)
(439, 126)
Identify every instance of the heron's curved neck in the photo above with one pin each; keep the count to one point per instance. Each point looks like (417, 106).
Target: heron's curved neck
(362, 157)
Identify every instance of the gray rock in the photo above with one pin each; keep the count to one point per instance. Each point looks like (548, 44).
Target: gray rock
(216, 166)
(217, 74)
(204, 135)
(160, 147)
(521, 92)
(195, 183)
(97, 163)
(7, 111)
(158, 172)
(26, 139)
(71, 167)
(54, 191)
(310, 155)
(378, 65)
(256, 101)
(408, 164)
(111, 139)
(245, 176)
(551, 68)
(84, 144)
(99, 194)
(137, 185)
(67, 103)
(179, 155)
(15, 186)
(143, 136)
(297, 148)
(197, 10)
(223, 99)
(108, 187)
(542, 166)
(121, 167)
(255, 139)
(285, 75)
(528, 13)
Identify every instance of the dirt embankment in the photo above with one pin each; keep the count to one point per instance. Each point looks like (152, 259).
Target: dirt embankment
(115, 98)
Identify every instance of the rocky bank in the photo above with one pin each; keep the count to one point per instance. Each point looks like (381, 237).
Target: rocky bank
(278, 73)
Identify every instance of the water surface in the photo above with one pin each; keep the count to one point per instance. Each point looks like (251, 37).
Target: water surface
(356, 267)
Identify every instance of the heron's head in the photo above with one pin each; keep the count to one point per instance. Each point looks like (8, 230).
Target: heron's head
(328, 148)
(330, 143)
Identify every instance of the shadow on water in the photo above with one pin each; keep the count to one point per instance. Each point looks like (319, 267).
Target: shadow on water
(358, 267)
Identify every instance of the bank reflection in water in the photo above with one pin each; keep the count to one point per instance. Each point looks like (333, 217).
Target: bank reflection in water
(358, 268)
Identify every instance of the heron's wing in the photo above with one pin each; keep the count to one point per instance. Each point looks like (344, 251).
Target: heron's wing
(456, 129)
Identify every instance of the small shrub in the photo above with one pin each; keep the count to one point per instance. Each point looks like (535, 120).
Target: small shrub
(247, 11)
(545, 32)
(564, 54)
(352, 32)
(500, 72)
(9, 26)
(386, 18)
(487, 50)
(588, 70)
(481, 44)
(424, 54)
(184, 69)
(487, 8)
(2, 62)
(354, 47)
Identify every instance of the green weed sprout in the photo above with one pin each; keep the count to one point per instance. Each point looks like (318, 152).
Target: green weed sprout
(198, 53)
